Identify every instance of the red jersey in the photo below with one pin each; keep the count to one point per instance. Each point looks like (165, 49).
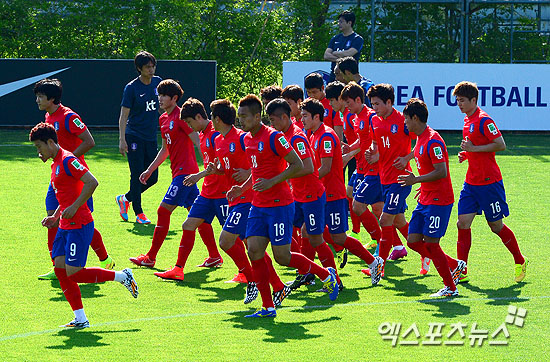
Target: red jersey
(362, 124)
(394, 140)
(213, 186)
(298, 122)
(349, 129)
(230, 150)
(67, 171)
(68, 127)
(482, 166)
(265, 152)
(326, 144)
(331, 117)
(306, 188)
(180, 147)
(429, 150)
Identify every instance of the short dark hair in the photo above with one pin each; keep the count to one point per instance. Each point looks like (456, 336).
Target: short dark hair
(278, 105)
(314, 107)
(225, 110)
(294, 92)
(314, 80)
(466, 89)
(416, 107)
(334, 89)
(43, 132)
(353, 90)
(143, 58)
(349, 64)
(170, 87)
(271, 92)
(252, 102)
(383, 91)
(51, 88)
(348, 16)
(191, 108)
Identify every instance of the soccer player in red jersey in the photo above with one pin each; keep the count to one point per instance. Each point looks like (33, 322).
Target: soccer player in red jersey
(73, 185)
(209, 204)
(74, 136)
(315, 88)
(391, 147)
(430, 218)
(328, 161)
(273, 161)
(270, 93)
(294, 95)
(483, 188)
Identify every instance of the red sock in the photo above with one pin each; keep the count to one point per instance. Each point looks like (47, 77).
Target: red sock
(386, 241)
(93, 275)
(52, 232)
(463, 245)
(98, 246)
(357, 249)
(404, 230)
(304, 266)
(370, 223)
(296, 240)
(395, 238)
(161, 230)
(440, 261)
(509, 240)
(328, 238)
(307, 250)
(453, 263)
(420, 248)
(207, 234)
(238, 254)
(274, 280)
(261, 276)
(70, 289)
(186, 245)
(355, 219)
(326, 257)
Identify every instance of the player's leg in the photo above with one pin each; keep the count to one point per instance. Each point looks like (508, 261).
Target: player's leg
(206, 209)
(51, 205)
(368, 192)
(441, 264)
(468, 208)
(399, 223)
(350, 190)
(136, 162)
(150, 153)
(394, 203)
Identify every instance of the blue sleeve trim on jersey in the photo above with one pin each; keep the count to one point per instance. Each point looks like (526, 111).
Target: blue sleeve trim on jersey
(241, 140)
(327, 135)
(370, 121)
(348, 120)
(67, 120)
(212, 142)
(66, 165)
(296, 137)
(272, 142)
(482, 123)
(431, 142)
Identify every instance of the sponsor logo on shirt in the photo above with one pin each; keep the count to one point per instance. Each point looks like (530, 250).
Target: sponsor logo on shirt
(284, 142)
(301, 148)
(492, 128)
(438, 152)
(394, 128)
(56, 126)
(77, 165)
(232, 147)
(260, 146)
(78, 123)
(327, 145)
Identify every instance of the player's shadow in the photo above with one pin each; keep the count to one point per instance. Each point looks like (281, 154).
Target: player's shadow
(88, 291)
(84, 338)
(144, 229)
(447, 307)
(199, 280)
(499, 296)
(405, 285)
(278, 332)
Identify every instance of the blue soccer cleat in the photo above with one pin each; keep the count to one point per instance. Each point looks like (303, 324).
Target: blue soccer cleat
(263, 313)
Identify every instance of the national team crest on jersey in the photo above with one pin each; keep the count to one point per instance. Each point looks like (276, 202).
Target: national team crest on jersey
(156, 92)
(421, 151)
(57, 170)
(348, 44)
(327, 146)
(301, 148)
(260, 146)
(207, 143)
(361, 124)
(284, 142)
(133, 146)
(326, 113)
(232, 147)
(438, 152)
(394, 128)
(316, 145)
(171, 126)
(56, 126)
(492, 128)
(472, 126)
(78, 123)
(77, 165)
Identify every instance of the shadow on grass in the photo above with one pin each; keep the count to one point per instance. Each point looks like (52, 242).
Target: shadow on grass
(499, 296)
(447, 307)
(88, 291)
(278, 332)
(84, 338)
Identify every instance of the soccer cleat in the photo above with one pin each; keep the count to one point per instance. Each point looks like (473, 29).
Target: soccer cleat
(263, 313)
(367, 272)
(397, 254)
(376, 270)
(342, 258)
(323, 290)
(130, 282)
(464, 278)
(372, 244)
(377, 251)
(211, 262)
(445, 292)
(280, 295)
(425, 266)
(251, 293)
(123, 205)
(331, 285)
(520, 270)
(307, 279)
(48, 276)
(457, 272)
(176, 273)
(238, 278)
(108, 263)
(76, 325)
(142, 219)
(143, 260)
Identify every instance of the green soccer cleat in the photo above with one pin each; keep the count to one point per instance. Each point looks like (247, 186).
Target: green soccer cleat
(108, 263)
(520, 270)
(48, 276)
(342, 258)
(464, 278)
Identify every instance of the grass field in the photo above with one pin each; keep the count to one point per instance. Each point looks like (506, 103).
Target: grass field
(201, 319)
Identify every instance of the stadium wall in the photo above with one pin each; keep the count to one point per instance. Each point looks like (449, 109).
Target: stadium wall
(93, 88)
(517, 96)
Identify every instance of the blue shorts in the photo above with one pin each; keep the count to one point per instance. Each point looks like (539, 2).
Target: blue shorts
(274, 223)
(491, 199)
(336, 216)
(312, 213)
(204, 208)
(395, 198)
(369, 191)
(237, 219)
(74, 244)
(52, 204)
(430, 220)
(353, 180)
(180, 195)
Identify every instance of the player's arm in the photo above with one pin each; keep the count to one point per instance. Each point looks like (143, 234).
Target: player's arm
(194, 178)
(401, 162)
(50, 221)
(86, 145)
(238, 190)
(307, 169)
(345, 53)
(194, 136)
(496, 145)
(348, 156)
(372, 155)
(159, 159)
(122, 119)
(329, 55)
(326, 165)
(439, 172)
(294, 166)
(90, 184)
(339, 132)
